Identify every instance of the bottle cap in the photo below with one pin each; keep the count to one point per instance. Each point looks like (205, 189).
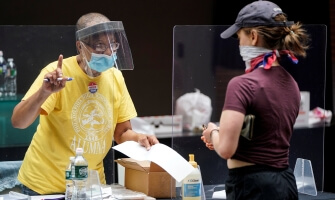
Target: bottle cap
(79, 151)
(191, 161)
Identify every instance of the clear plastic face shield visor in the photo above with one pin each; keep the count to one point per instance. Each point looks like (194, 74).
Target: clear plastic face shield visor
(104, 46)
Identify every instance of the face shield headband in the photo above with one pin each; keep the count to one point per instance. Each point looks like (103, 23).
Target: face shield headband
(117, 43)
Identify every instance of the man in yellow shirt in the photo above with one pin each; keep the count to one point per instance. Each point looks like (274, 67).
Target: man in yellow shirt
(88, 112)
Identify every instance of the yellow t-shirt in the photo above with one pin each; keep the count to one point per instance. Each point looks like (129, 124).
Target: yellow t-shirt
(83, 114)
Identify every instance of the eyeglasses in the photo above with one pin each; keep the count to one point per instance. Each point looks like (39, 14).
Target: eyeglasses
(101, 47)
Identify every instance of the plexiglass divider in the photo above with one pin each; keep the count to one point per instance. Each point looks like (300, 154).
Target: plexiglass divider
(303, 172)
(204, 62)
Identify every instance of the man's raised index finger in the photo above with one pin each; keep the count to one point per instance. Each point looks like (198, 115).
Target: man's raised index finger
(60, 61)
(59, 66)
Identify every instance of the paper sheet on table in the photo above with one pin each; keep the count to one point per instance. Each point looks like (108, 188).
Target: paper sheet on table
(160, 154)
(219, 194)
(48, 197)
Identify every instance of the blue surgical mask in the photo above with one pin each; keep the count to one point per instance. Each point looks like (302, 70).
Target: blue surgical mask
(101, 62)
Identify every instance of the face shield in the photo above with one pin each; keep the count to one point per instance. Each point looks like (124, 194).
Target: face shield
(105, 45)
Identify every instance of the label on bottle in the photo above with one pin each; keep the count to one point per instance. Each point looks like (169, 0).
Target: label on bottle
(68, 174)
(72, 171)
(192, 186)
(192, 190)
(81, 172)
(13, 72)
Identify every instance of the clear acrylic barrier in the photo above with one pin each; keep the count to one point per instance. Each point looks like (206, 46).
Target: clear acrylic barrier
(204, 61)
(32, 47)
(93, 185)
(203, 195)
(303, 173)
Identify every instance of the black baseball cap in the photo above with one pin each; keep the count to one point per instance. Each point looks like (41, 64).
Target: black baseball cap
(258, 13)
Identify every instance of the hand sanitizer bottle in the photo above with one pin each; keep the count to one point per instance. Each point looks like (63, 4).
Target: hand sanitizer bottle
(191, 188)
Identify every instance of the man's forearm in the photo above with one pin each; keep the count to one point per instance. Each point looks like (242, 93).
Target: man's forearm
(25, 113)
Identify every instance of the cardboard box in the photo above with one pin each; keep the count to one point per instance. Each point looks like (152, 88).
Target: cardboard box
(148, 177)
(165, 123)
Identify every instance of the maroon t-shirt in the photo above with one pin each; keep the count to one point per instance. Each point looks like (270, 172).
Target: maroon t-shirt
(273, 96)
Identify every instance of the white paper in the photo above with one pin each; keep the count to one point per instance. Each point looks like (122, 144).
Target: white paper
(219, 194)
(43, 197)
(160, 154)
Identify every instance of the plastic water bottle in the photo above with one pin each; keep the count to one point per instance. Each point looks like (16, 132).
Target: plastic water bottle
(10, 78)
(3, 70)
(191, 187)
(68, 179)
(80, 176)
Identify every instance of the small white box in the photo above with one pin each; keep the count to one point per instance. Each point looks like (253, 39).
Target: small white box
(165, 123)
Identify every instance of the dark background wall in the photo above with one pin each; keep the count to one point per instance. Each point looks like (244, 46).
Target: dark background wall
(149, 27)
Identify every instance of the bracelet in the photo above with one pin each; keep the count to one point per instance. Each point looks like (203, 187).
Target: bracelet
(214, 129)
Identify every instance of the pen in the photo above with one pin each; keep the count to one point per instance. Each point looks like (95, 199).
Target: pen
(58, 198)
(58, 79)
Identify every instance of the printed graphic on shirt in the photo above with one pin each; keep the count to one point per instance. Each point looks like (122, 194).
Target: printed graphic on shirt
(92, 119)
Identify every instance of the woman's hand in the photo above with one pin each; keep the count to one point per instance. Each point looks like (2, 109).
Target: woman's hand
(206, 135)
(209, 145)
